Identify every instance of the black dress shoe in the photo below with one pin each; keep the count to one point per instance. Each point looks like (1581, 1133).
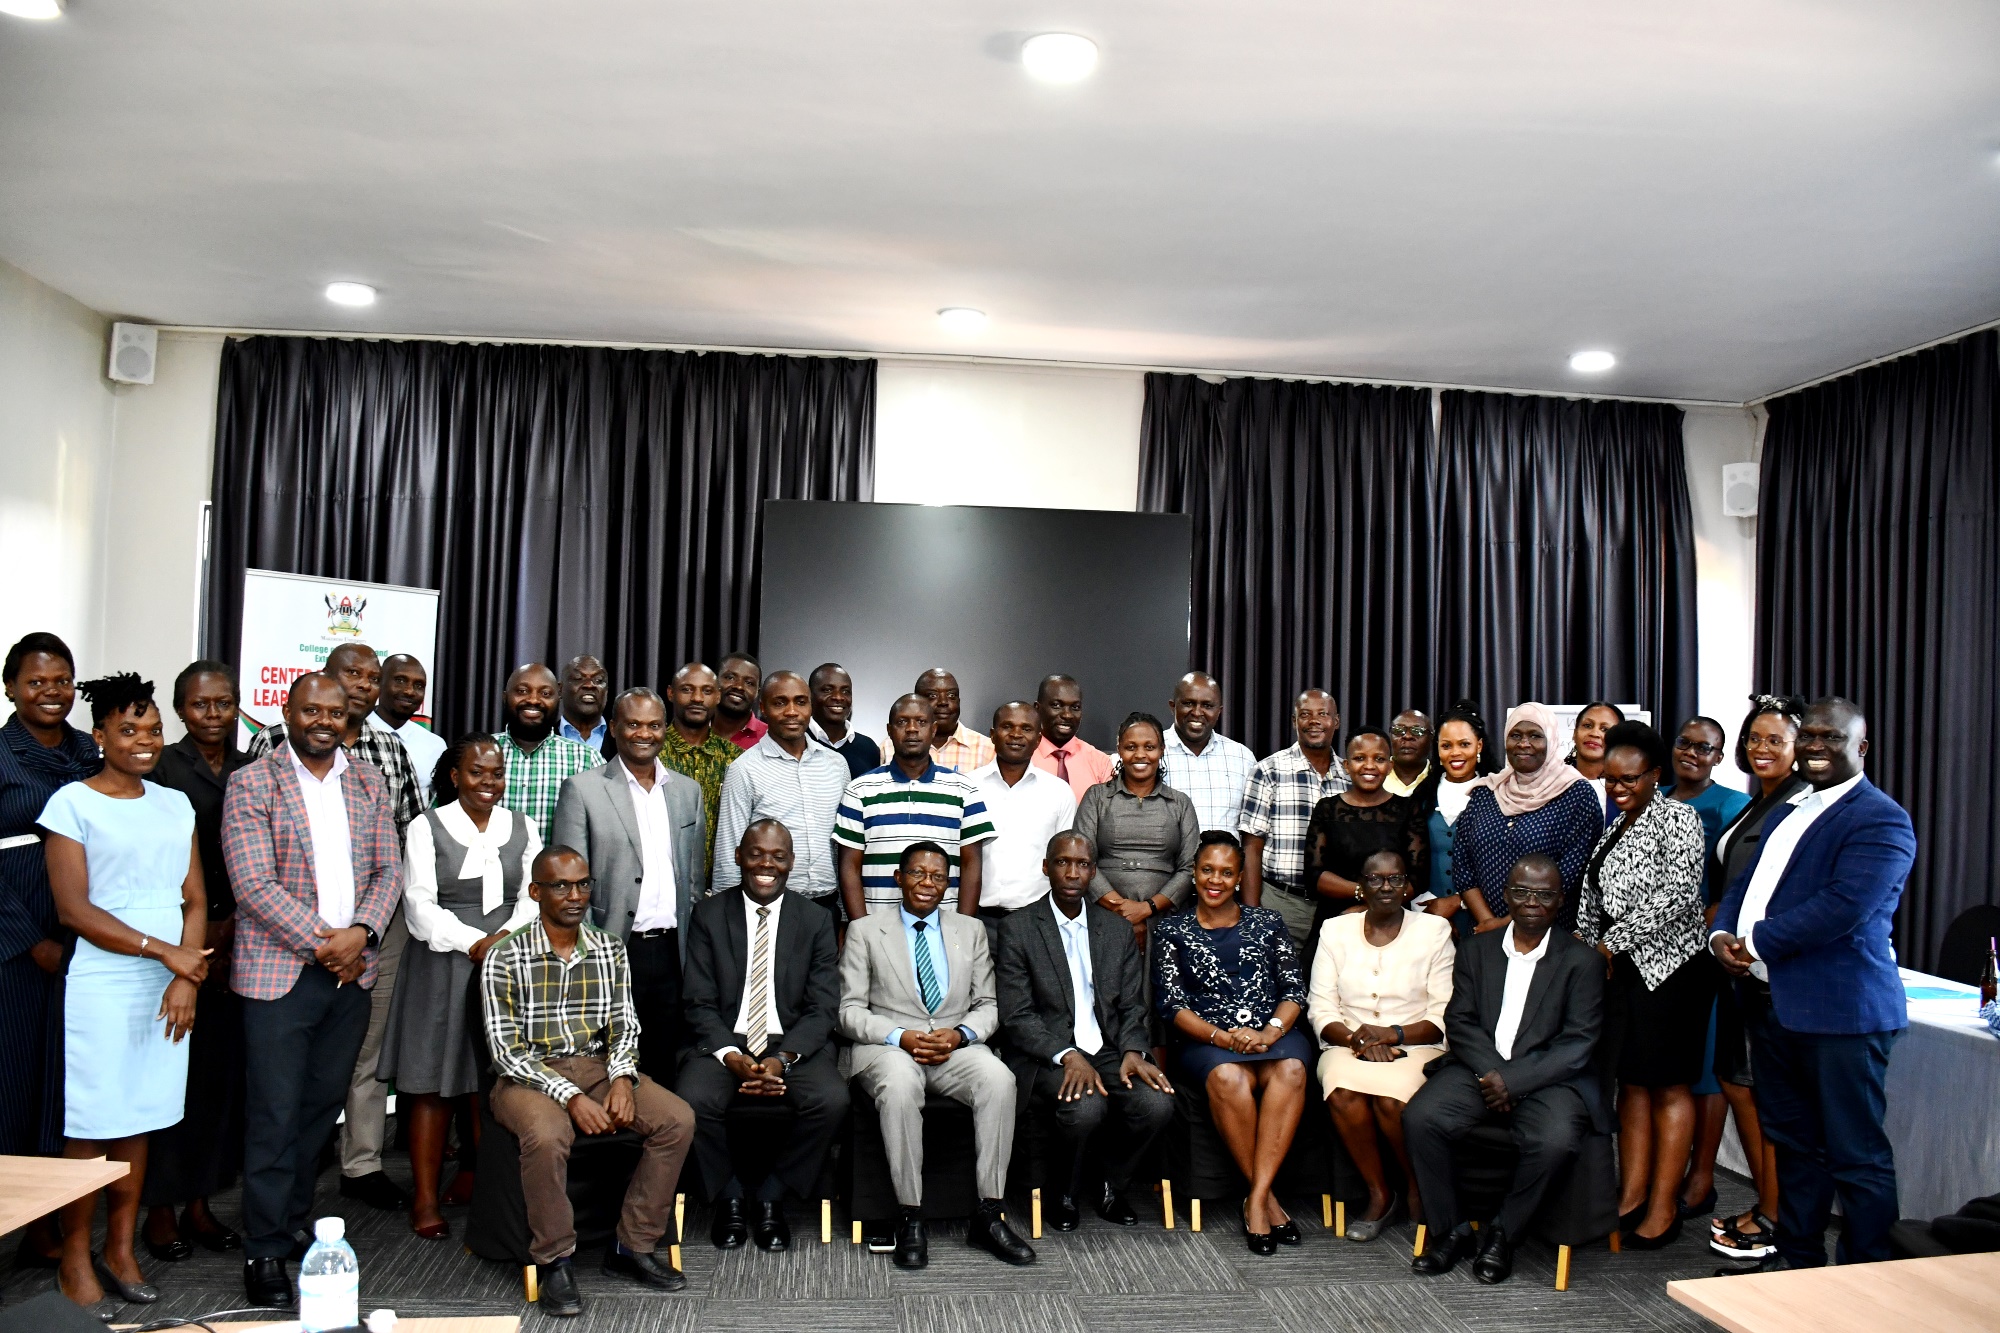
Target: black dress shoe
(772, 1231)
(1441, 1256)
(1114, 1208)
(1260, 1242)
(1065, 1216)
(1287, 1233)
(172, 1251)
(989, 1232)
(1495, 1263)
(645, 1269)
(1635, 1241)
(559, 1296)
(1770, 1263)
(265, 1284)
(731, 1229)
(913, 1244)
(219, 1239)
(376, 1190)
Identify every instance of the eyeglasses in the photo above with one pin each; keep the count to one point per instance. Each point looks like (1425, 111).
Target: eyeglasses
(1385, 881)
(1702, 748)
(1628, 780)
(1538, 897)
(1755, 742)
(566, 888)
(1409, 733)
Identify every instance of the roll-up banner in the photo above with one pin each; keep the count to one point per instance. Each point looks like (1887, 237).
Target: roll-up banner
(292, 621)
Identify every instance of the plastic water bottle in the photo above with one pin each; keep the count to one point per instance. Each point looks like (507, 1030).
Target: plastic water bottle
(329, 1280)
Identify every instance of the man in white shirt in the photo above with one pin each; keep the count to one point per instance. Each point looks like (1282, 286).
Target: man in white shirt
(1521, 1065)
(1028, 806)
(404, 686)
(641, 827)
(1808, 935)
(1213, 770)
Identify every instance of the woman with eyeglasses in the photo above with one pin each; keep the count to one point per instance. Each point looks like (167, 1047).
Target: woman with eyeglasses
(1764, 750)
(465, 877)
(1534, 805)
(1349, 827)
(1642, 908)
(1380, 981)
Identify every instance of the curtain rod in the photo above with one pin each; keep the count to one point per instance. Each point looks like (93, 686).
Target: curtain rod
(1860, 366)
(948, 358)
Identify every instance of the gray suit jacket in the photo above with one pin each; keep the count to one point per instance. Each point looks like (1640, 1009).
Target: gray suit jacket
(594, 815)
(878, 986)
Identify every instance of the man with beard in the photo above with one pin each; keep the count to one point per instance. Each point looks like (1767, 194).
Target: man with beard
(538, 760)
(833, 711)
(736, 688)
(404, 685)
(355, 667)
(953, 744)
(585, 687)
(693, 748)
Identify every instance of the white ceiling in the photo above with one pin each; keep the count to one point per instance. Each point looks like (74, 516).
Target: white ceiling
(1733, 195)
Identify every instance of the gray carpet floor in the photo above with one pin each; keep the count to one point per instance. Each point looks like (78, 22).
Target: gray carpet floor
(1100, 1277)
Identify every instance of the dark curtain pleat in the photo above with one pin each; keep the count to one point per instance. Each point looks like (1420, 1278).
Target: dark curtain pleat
(1877, 547)
(1531, 548)
(563, 499)
(1312, 540)
(1565, 559)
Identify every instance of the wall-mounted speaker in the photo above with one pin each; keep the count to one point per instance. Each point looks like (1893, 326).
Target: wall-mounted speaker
(1739, 490)
(134, 349)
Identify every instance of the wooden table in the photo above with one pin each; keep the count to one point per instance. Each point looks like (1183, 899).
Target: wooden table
(32, 1186)
(478, 1323)
(1958, 1293)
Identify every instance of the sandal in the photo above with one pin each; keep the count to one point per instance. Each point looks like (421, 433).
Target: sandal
(1736, 1244)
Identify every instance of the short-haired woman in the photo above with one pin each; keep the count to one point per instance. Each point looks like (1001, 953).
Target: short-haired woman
(1350, 826)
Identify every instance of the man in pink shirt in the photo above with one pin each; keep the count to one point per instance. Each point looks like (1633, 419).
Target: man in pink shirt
(1060, 751)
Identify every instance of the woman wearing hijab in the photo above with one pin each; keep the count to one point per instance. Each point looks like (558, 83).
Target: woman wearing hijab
(1535, 804)
(40, 753)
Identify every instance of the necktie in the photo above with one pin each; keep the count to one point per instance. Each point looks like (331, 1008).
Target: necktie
(1062, 764)
(926, 974)
(760, 986)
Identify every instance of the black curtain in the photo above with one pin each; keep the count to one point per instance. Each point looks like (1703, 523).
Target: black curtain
(1565, 558)
(1312, 540)
(1530, 548)
(563, 499)
(1878, 569)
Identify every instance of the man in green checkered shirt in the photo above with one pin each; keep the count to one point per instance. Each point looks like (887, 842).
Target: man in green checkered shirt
(692, 748)
(538, 760)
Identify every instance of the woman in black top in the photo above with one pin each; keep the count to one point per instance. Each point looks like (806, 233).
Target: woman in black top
(1349, 827)
(190, 1161)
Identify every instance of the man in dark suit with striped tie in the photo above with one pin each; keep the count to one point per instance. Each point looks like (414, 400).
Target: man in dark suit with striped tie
(762, 991)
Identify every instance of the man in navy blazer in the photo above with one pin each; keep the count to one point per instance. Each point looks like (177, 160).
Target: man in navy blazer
(1806, 930)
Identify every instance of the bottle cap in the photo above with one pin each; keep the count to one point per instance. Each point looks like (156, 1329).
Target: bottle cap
(330, 1229)
(381, 1321)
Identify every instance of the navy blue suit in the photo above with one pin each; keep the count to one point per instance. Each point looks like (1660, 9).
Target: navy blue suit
(1821, 1034)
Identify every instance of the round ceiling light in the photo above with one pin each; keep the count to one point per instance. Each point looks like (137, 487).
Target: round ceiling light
(350, 293)
(1059, 57)
(962, 319)
(1592, 363)
(33, 9)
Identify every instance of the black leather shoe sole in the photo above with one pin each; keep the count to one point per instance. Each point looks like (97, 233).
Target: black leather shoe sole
(220, 1241)
(912, 1258)
(1065, 1216)
(773, 1240)
(1115, 1209)
(650, 1272)
(270, 1289)
(1017, 1254)
(1287, 1233)
(1492, 1272)
(733, 1237)
(172, 1252)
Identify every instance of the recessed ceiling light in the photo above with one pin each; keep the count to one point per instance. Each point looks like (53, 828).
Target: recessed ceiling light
(962, 319)
(33, 9)
(350, 293)
(1059, 57)
(1590, 363)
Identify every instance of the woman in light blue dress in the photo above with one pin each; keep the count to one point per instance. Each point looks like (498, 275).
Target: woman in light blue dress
(126, 875)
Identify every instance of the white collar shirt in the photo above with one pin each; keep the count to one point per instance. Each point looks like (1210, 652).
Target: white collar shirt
(1025, 816)
(1776, 857)
(1075, 937)
(1514, 993)
(332, 844)
(744, 1018)
(656, 849)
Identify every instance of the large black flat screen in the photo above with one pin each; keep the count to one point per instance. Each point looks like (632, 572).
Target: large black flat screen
(1000, 597)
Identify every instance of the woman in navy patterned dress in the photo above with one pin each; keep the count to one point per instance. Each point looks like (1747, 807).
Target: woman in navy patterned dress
(1535, 804)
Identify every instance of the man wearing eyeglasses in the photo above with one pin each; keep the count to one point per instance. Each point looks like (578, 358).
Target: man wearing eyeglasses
(557, 995)
(1410, 769)
(1520, 1045)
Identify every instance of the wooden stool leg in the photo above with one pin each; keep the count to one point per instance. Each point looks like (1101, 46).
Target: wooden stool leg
(857, 1231)
(680, 1220)
(531, 1281)
(1167, 1203)
(1194, 1214)
(1562, 1268)
(1419, 1249)
(1340, 1218)
(1617, 1243)
(1326, 1210)
(826, 1221)
(1036, 1200)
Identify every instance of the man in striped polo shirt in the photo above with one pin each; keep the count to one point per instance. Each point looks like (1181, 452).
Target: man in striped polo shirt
(909, 799)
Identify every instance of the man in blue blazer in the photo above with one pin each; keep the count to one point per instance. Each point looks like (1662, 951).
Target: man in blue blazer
(1806, 930)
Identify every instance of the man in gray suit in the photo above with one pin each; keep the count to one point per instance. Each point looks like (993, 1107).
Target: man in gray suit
(640, 825)
(917, 1001)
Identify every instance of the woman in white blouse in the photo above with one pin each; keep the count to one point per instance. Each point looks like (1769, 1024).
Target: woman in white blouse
(1380, 981)
(465, 886)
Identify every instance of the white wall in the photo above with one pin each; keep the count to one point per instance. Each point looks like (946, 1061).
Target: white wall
(1725, 566)
(57, 414)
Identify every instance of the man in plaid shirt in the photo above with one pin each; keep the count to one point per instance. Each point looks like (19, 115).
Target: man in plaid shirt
(359, 672)
(557, 995)
(538, 760)
(1278, 806)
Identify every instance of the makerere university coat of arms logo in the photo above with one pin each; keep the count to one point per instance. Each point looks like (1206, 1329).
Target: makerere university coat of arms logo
(344, 616)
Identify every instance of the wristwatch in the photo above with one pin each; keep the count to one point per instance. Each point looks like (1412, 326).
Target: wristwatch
(374, 940)
(787, 1059)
